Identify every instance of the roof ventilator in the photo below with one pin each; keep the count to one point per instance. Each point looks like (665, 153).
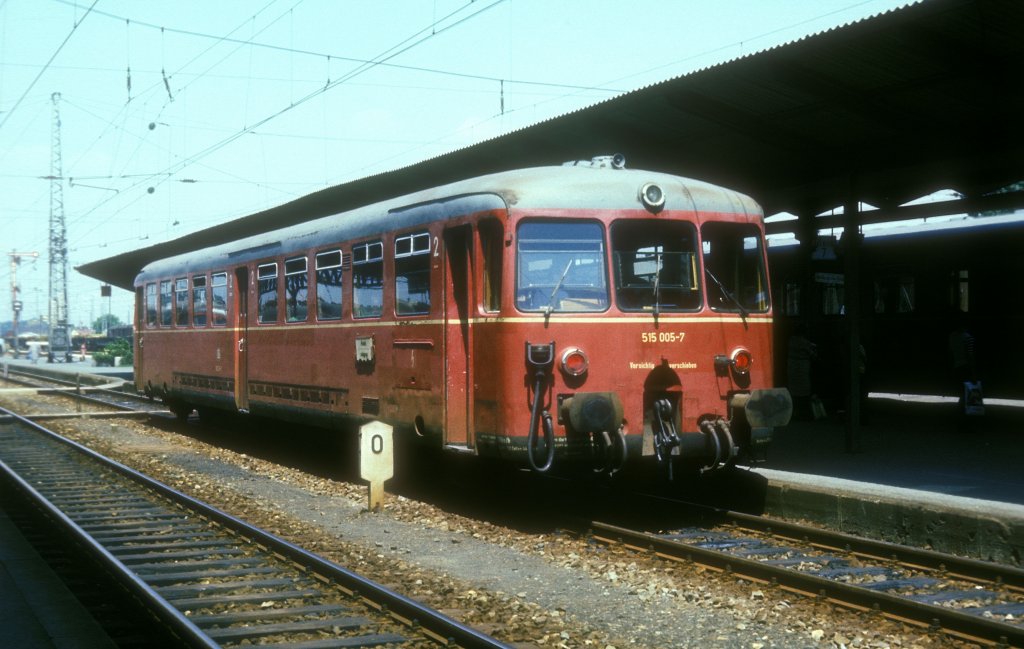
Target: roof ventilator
(617, 161)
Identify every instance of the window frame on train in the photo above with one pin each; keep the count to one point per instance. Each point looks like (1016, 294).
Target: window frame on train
(642, 251)
(412, 262)
(166, 303)
(268, 301)
(181, 302)
(367, 266)
(152, 306)
(733, 296)
(219, 288)
(296, 289)
(325, 273)
(491, 234)
(200, 301)
(545, 282)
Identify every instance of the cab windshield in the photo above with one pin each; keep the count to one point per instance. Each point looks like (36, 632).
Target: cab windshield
(561, 267)
(655, 265)
(734, 267)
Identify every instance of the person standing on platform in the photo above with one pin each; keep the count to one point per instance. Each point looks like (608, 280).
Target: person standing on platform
(799, 357)
(965, 373)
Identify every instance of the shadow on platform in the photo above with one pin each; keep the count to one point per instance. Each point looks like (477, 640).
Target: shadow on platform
(915, 443)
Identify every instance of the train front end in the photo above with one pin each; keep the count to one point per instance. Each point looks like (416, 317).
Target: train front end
(644, 324)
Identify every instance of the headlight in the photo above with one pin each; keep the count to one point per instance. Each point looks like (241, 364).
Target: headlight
(653, 197)
(741, 360)
(574, 362)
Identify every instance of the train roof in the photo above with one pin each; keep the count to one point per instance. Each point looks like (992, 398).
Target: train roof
(311, 220)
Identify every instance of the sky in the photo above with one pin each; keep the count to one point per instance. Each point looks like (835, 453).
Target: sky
(178, 115)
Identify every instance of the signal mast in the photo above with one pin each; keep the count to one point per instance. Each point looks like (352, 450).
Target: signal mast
(16, 303)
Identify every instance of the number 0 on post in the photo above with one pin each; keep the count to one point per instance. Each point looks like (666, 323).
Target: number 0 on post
(376, 459)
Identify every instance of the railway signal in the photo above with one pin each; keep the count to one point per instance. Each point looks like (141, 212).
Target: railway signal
(16, 304)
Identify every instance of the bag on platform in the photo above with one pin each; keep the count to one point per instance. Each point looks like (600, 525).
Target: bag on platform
(974, 402)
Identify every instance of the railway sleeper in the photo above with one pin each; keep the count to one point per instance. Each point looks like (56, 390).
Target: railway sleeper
(954, 596)
(238, 617)
(180, 591)
(288, 628)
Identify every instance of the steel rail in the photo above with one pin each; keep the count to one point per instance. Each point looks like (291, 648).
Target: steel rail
(165, 612)
(79, 391)
(967, 626)
(442, 628)
(951, 565)
(19, 370)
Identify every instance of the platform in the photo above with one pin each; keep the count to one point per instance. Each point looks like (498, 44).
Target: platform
(916, 475)
(36, 609)
(914, 442)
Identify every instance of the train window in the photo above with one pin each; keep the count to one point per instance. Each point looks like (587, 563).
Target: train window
(151, 305)
(832, 299)
(655, 265)
(881, 295)
(791, 298)
(492, 246)
(267, 276)
(219, 299)
(907, 301)
(328, 285)
(894, 294)
(181, 302)
(166, 303)
(412, 274)
(296, 290)
(734, 267)
(561, 267)
(368, 279)
(199, 300)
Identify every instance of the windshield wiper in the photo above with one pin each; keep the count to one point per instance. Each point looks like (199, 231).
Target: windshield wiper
(657, 290)
(551, 300)
(732, 298)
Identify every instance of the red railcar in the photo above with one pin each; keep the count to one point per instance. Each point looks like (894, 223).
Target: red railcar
(583, 312)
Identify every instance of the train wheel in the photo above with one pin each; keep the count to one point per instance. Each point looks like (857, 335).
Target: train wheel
(180, 409)
(209, 415)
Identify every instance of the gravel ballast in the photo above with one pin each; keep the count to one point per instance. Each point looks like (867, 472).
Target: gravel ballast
(545, 589)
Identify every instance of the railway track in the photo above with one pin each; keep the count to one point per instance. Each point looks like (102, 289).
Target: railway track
(973, 600)
(969, 599)
(210, 579)
(110, 398)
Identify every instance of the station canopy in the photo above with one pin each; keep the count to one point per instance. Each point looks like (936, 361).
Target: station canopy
(926, 97)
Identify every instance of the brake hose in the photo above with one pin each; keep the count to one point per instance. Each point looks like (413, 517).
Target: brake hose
(549, 432)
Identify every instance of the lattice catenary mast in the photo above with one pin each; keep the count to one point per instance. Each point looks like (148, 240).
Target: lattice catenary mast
(60, 333)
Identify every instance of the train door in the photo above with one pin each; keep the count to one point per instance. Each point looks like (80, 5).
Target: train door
(240, 326)
(458, 332)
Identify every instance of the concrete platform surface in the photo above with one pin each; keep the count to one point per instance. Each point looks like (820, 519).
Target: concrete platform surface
(36, 609)
(915, 474)
(914, 443)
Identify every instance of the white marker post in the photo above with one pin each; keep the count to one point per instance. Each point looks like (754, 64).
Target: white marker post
(376, 459)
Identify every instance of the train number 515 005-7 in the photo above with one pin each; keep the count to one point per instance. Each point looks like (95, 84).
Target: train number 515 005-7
(662, 336)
